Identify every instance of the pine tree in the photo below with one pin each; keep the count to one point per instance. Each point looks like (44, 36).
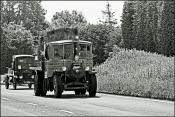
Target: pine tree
(109, 16)
(151, 27)
(167, 41)
(139, 25)
(127, 25)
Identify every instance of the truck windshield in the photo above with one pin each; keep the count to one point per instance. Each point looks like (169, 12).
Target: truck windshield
(84, 50)
(25, 62)
(68, 51)
(58, 51)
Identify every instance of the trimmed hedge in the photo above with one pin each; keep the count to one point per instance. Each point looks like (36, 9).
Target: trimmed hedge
(137, 73)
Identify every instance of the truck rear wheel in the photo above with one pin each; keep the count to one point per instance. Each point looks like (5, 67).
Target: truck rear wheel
(92, 86)
(37, 86)
(58, 87)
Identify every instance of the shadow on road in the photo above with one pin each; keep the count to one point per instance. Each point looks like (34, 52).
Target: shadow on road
(20, 89)
(71, 96)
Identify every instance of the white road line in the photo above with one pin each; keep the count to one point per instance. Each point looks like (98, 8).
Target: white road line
(5, 98)
(67, 111)
(32, 104)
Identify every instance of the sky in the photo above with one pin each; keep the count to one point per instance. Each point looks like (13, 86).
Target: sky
(91, 10)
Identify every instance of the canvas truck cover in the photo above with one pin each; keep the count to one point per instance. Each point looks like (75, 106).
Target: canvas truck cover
(61, 34)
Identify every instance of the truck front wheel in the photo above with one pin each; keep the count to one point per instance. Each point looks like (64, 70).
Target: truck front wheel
(58, 87)
(92, 86)
(30, 85)
(44, 89)
(77, 92)
(83, 91)
(6, 85)
(6, 82)
(37, 86)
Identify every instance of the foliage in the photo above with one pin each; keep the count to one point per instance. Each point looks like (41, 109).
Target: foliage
(127, 25)
(67, 19)
(137, 73)
(27, 13)
(108, 16)
(147, 25)
(167, 40)
(15, 40)
(103, 38)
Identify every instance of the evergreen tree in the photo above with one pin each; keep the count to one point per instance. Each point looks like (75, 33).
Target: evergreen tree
(151, 27)
(140, 24)
(127, 24)
(167, 41)
(109, 16)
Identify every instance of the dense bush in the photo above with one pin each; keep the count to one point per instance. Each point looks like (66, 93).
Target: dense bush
(137, 73)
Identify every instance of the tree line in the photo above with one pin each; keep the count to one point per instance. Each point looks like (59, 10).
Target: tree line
(149, 26)
(146, 25)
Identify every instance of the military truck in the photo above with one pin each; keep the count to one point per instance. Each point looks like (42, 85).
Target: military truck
(20, 73)
(64, 63)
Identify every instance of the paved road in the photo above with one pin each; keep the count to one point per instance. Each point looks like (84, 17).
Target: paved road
(22, 102)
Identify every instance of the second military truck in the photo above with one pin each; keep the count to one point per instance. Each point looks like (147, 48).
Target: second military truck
(20, 73)
(64, 63)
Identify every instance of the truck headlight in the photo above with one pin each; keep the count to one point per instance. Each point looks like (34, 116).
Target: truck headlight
(19, 66)
(76, 58)
(32, 76)
(87, 68)
(76, 37)
(20, 77)
(64, 68)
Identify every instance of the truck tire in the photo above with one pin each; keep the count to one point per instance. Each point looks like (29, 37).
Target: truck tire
(58, 87)
(83, 91)
(37, 86)
(6, 85)
(92, 85)
(6, 80)
(30, 86)
(44, 89)
(77, 92)
(14, 84)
